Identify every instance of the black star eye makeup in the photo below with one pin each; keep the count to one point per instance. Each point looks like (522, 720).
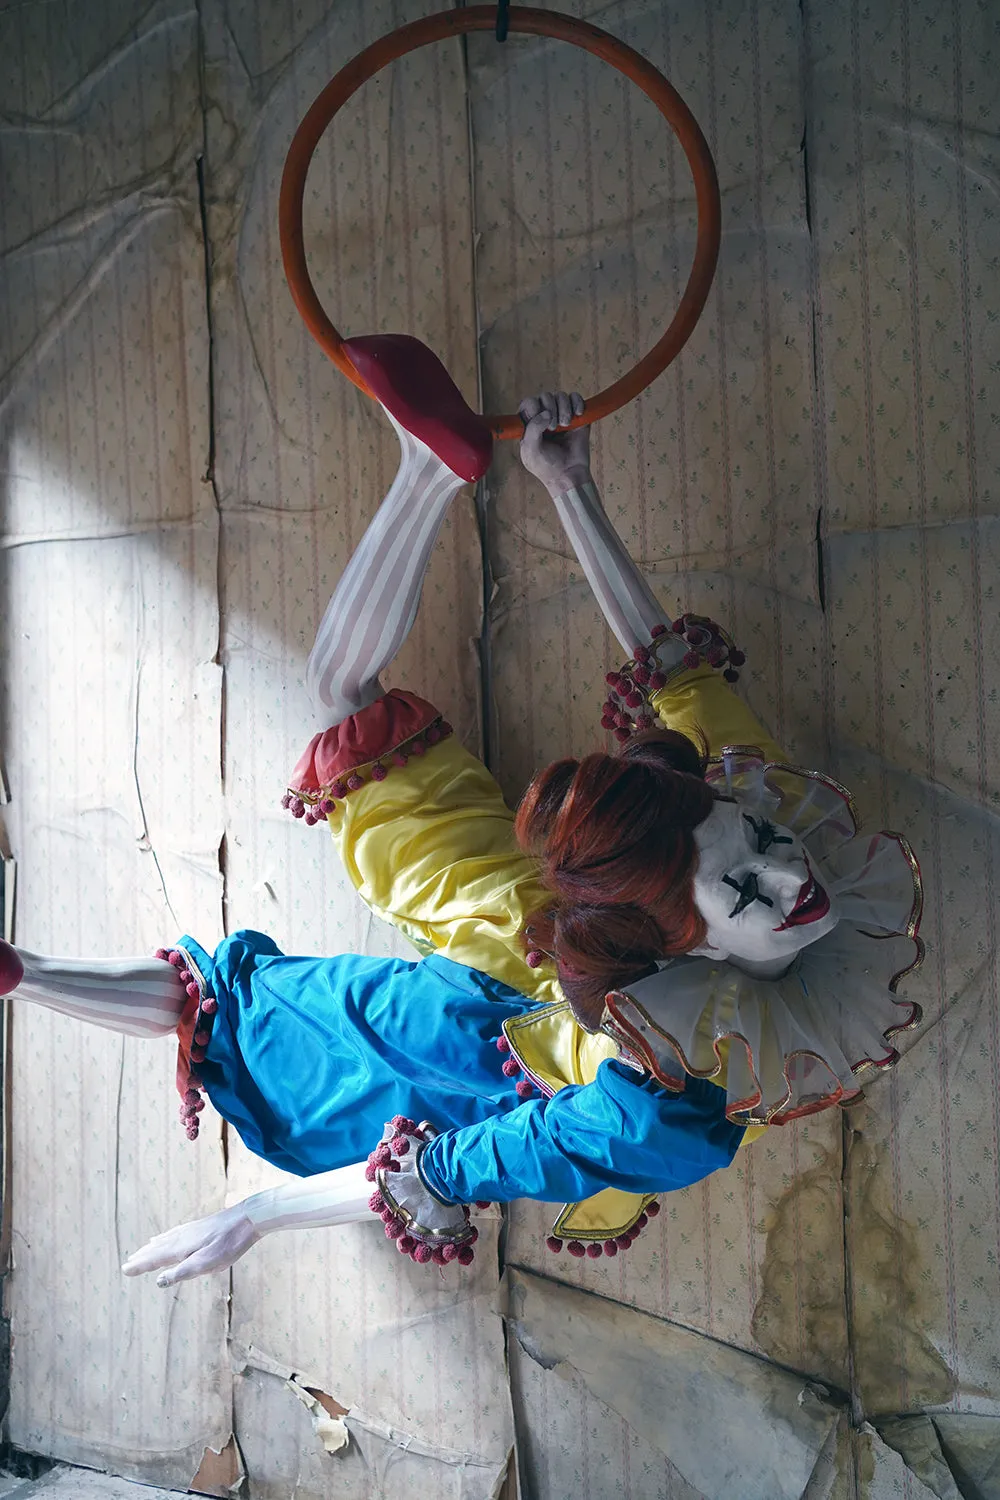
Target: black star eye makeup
(749, 892)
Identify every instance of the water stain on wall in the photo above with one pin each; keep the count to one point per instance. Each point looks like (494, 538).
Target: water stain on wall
(802, 1317)
(801, 1314)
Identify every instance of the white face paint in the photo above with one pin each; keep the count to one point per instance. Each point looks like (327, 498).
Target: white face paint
(755, 888)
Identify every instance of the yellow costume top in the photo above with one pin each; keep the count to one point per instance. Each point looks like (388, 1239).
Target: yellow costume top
(433, 852)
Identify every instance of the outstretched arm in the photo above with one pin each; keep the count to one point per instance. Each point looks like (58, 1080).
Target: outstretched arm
(561, 460)
(220, 1239)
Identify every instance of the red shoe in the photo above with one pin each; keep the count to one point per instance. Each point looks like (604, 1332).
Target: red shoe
(413, 384)
(11, 968)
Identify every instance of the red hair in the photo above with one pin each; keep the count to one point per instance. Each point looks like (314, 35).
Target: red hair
(615, 839)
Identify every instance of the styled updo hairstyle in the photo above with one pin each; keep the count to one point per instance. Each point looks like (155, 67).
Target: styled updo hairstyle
(614, 835)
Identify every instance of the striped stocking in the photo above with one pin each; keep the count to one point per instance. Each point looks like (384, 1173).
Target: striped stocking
(375, 603)
(140, 996)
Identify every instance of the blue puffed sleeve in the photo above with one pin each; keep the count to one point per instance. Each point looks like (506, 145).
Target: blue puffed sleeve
(623, 1130)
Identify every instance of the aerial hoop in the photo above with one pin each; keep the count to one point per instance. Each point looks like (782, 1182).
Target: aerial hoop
(531, 22)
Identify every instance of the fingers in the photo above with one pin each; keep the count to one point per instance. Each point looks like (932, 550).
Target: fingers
(199, 1264)
(562, 406)
(535, 430)
(154, 1255)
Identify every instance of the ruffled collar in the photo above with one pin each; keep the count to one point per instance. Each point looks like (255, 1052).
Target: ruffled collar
(794, 1045)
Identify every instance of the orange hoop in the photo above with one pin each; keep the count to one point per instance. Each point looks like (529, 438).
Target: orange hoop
(563, 28)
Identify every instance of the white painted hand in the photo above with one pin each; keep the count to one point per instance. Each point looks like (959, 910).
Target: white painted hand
(209, 1244)
(560, 459)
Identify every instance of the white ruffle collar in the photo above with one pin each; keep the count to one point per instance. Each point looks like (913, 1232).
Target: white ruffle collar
(795, 1044)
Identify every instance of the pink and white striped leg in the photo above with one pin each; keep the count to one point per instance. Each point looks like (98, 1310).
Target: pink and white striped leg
(138, 996)
(372, 609)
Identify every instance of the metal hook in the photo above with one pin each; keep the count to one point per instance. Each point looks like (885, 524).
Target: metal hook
(503, 6)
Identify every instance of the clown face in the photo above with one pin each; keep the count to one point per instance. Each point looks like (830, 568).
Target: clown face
(758, 892)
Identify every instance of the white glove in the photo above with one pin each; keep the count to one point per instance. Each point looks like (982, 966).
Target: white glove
(340, 1196)
(560, 459)
(209, 1244)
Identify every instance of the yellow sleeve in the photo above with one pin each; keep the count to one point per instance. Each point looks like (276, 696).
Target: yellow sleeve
(431, 849)
(700, 703)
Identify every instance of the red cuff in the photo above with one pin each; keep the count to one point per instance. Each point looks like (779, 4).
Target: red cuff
(387, 732)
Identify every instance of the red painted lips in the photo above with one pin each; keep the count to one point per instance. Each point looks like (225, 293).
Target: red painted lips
(811, 904)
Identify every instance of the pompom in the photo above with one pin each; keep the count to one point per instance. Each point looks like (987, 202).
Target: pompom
(370, 1171)
(400, 1145)
(422, 1254)
(533, 958)
(472, 1237)
(717, 656)
(448, 1253)
(403, 1123)
(652, 1209)
(691, 660)
(192, 989)
(610, 1248)
(466, 1255)
(524, 1089)
(641, 654)
(576, 1249)
(607, 721)
(381, 1154)
(737, 658)
(185, 976)
(483, 1203)
(438, 1256)
(376, 1202)
(678, 626)
(311, 819)
(399, 758)
(192, 1131)
(595, 1251)
(633, 700)
(658, 630)
(433, 734)
(730, 675)
(327, 806)
(297, 807)
(417, 747)
(379, 772)
(621, 735)
(640, 1223)
(163, 954)
(354, 782)
(511, 1067)
(338, 789)
(502, 1044)
(191, 1096)
(202, 1038)
(555, 1244)
(405, 1244)
(612, 679)
(623, 1241)
(642, 675)
(657, 681)
(209, 1005)
(197, 1054)
(644, 721)
(175, 958)
(286, 800)
(394, 1227)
